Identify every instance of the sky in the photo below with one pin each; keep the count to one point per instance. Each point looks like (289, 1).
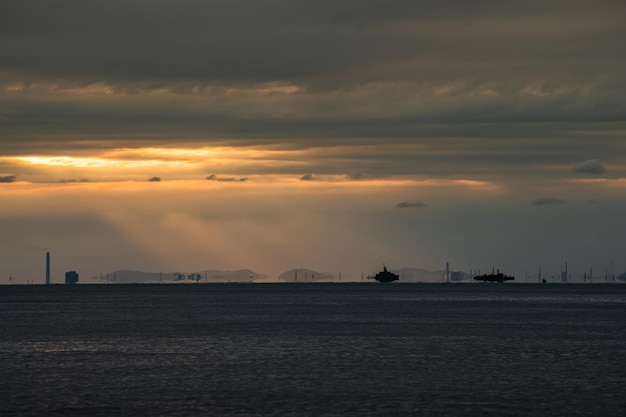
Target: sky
(186, 135)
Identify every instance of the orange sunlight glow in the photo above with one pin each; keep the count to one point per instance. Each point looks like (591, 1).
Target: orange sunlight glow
(187, 164)
(150, 157)
(81, 162)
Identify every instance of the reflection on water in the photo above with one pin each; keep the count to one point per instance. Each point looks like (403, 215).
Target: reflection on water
(337, 349)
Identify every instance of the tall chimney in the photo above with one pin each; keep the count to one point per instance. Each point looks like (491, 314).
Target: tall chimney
(47, 268)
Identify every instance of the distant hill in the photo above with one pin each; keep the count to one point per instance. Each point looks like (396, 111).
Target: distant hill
(406, 275)
(244, 275)
(305, 275)
(209, 275)
(133, 277)
(423, 275)
(419, 275)
(241, 275)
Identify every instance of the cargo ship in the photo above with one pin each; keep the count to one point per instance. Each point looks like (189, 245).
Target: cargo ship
(494, 277)
(385, 276)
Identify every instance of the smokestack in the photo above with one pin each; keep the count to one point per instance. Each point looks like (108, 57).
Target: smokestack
(47, 268)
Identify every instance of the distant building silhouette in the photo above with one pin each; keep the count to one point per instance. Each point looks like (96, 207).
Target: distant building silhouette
(47, 268)
(456, 276)
(194, 277)
(71, 277)
(494, 277)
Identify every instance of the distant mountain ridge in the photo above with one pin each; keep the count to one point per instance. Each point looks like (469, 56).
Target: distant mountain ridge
(406, 274)
(419, 275)
(305, 275)
(209, 275)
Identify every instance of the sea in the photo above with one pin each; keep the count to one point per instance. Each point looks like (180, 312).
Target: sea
(342, 349)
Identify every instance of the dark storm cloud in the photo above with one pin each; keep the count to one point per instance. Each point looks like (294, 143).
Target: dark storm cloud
(78, 75)
(141, 45)
(407, 204)
(592, 166)
(547, 201)
(268, 40)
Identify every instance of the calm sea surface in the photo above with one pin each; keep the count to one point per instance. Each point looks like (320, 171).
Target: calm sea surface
(313, 349)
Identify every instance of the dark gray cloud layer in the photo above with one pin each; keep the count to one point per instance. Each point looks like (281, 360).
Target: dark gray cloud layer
(321, 42)
(512, 81)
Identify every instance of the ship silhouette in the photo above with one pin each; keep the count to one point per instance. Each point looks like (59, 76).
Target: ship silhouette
(494, 277)
(385, 276)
